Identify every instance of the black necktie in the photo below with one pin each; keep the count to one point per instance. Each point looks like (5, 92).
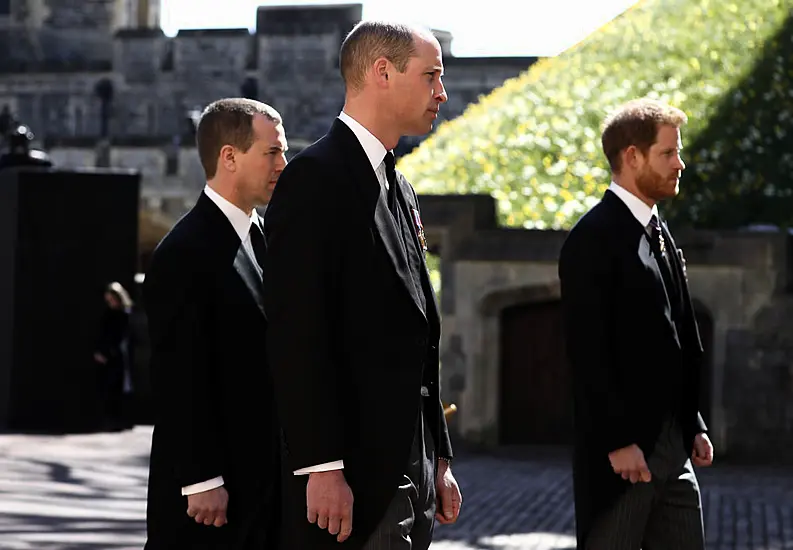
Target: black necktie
(390, 175)
(661, 252)
(258, 244)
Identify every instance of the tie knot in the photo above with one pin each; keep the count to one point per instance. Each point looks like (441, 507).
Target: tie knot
(390, 162)
(654, 224)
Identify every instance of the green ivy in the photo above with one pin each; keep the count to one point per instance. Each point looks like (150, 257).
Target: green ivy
(434, 268)
(534, 143)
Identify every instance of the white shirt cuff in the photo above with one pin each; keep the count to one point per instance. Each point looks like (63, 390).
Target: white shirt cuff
(328, 466)
(203, 486)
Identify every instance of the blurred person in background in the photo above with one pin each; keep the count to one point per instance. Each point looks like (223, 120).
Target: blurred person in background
(112, 355)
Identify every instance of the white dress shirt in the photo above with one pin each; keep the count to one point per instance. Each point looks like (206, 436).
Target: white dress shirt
(241, 222)
(638, 208)
(375, 152)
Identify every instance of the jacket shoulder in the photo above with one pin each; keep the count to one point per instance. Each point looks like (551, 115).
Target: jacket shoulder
(188, 244)
(594, 223)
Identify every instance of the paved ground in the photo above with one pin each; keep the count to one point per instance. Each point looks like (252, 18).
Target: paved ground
(86, 492)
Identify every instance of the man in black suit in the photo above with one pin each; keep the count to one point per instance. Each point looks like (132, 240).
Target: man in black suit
(215, 465)
(634, 349)
(354, 326)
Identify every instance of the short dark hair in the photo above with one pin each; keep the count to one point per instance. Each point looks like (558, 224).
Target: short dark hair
(636, 123)
(228, 121)
(370, 40)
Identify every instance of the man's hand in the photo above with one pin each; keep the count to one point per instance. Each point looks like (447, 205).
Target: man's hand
(447, 495)
(329, 503)
(630, 464)
(702, 455)
(209, 507)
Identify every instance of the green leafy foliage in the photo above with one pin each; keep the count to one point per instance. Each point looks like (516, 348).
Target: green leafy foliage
(434, 268)
(534, 143)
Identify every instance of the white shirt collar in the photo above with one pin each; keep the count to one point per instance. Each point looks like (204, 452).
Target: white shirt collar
(240, 221)
(639, 209)
(374, 149)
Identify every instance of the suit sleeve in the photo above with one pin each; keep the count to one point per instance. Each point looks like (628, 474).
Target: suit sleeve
(588, 297)
(301, 287)
(175, 296)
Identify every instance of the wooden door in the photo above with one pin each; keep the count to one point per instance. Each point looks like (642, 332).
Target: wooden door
(536, 400)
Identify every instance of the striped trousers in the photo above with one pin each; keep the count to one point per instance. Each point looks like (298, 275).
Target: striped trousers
(664, 514)
(409, 521)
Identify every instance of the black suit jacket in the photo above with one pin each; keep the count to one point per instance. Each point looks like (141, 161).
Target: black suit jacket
(349, 344)
(634, 351)
(215, 414)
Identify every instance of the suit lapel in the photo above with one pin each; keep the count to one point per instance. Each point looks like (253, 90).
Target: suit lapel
(664, 295)
(674, 259)
(687, 304)
(405, 201)
(228, 238)
(369, 186)
(394, 245)
(244, 267)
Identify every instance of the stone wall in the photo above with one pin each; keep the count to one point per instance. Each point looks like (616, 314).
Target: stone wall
(216, 53)
(54, 104)
(758, 384)
(140, 54)
(79, 14)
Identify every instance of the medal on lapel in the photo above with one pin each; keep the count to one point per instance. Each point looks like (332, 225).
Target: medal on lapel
(682, 261)
(419, 229)
(662, 243)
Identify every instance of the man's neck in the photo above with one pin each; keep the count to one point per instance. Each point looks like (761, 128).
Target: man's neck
(227, 191)
(630, 187)
(369, 119)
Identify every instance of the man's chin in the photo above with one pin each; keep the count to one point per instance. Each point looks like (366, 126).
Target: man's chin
(264, 199)
(420, 129)
(668, 191)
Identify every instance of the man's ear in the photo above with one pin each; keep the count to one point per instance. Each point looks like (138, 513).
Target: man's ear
(632, 157)
(380, 69)
(228, 158)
